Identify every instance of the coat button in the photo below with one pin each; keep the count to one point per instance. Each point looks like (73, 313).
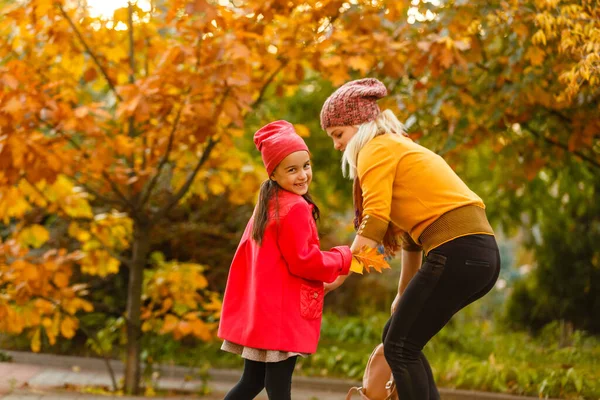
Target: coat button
(315, 295)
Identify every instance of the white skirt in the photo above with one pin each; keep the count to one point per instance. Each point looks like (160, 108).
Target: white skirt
(260, 355)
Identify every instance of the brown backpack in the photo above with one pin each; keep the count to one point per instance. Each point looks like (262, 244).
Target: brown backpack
(378, 382)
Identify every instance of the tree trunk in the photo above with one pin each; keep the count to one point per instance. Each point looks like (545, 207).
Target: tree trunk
(566, 333)
(141, 247)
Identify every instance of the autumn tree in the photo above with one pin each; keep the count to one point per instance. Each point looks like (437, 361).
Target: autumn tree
(508, 91)
(108, 124)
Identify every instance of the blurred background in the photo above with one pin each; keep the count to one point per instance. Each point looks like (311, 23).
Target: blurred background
(128, 172)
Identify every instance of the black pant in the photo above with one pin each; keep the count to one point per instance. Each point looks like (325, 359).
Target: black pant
(453, 275)
(275, 377)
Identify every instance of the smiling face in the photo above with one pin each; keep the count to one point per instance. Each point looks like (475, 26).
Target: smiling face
(341, 135)
(294, 173)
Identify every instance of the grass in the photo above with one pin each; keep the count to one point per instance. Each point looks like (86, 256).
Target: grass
(470, 353)
(474, 355)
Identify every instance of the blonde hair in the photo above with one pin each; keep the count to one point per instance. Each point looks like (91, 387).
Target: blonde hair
(386, 122)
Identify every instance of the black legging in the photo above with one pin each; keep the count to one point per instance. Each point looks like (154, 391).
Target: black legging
(453, 276)
(275, 377)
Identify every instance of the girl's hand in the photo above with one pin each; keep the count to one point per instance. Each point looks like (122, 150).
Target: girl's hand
(329, 287)
(335, 284)
(395, 303)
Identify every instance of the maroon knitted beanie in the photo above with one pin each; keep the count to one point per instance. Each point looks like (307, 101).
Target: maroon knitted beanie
(354, 103)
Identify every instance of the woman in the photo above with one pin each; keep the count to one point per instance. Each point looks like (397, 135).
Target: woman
(407, 197)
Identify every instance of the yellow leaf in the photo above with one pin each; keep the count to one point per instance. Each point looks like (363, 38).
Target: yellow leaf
(34, 236)
(86, 305)
(356, 266)
(371, 258)
(302, 130)
(334, 61)
(184, 327)
(200, 281)
(146, 326)
(36, 342)
(30, 272)
(539, 38)
(61, 279)
(359, 63)
(167, 304)
(215, 185)
(68, 327)
(170, 324)
(13, 106)
(201, 330)
(116, 54)
(535, 55)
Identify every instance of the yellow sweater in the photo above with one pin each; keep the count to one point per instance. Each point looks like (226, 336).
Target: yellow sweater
(413, 188)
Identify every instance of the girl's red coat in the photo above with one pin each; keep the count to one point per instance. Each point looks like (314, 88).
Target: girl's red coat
(274, 294)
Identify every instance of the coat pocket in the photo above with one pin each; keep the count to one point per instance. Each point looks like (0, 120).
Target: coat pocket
(311, 301)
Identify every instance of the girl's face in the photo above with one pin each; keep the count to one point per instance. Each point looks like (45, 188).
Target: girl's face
(341, 135)
(294, 173)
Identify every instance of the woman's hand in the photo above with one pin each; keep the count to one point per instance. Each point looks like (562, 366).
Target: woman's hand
(395, 303)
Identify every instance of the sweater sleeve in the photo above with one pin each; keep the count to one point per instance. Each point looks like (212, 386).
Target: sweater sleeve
(376, 174)
(302, 255)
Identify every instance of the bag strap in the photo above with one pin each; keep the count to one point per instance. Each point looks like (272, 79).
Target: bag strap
(391, 386)
(358, 390)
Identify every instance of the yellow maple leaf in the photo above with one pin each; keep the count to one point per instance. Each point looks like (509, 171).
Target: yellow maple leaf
(356, 266)
(371, 258)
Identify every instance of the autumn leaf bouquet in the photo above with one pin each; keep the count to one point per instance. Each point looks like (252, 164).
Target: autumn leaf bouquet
(368, 258)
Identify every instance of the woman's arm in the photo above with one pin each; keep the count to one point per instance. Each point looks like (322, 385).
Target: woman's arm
(411, 262)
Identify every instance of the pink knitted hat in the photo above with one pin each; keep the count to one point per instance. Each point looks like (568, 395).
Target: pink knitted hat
(276, 141)
(354, 103)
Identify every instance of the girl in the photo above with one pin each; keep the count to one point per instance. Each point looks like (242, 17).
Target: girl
(405, 193)
(274, 297)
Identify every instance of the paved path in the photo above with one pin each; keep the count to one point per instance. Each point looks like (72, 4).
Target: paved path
(44, 377)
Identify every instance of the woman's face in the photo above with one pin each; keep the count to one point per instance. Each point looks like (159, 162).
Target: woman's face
(341, 135)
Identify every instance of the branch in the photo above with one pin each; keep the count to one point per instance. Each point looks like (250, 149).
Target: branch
(268, 82)
(87, 188)
(113, 185)
(183, 190)
(560, 116)
(131, 42)
(89, 51)
(164, 160)
(131, 122)
(563, 146)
